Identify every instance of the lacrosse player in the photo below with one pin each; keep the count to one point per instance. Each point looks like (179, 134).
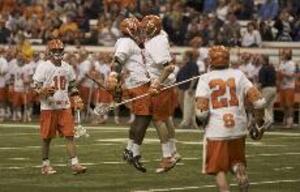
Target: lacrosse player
(55, 83)
(287, 80)
(3, 90)
(220, 99)
(128, 57)
(161, 70)
(17, 83)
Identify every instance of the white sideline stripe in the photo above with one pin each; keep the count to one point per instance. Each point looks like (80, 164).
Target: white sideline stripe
(213, 186)
(125, 128)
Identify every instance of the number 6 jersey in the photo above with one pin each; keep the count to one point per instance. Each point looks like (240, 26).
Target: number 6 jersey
(225, 90)
(58, 77)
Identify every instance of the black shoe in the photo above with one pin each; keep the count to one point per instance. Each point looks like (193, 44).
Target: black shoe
(137, 164)
(127, 155)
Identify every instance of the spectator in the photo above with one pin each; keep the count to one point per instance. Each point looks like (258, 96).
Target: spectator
(231, 31)
(108, 34)
(269, 10)
(4, 33)
(209, 5)
(222, 10)
(82, 20)
(265, 31)
(252, 37)
(267, 84)
(284, 27)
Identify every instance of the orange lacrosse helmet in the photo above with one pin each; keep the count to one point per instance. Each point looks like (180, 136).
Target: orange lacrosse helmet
(152, 25)
(129, 26)
(55, 49)
(219, 57)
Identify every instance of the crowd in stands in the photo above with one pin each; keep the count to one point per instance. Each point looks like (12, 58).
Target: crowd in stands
(229, 22)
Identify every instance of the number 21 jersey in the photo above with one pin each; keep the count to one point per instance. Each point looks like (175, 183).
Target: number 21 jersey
(225, 90)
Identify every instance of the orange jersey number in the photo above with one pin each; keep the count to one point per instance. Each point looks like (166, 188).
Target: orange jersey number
(221, 86)
(228, 119)
(59, 82)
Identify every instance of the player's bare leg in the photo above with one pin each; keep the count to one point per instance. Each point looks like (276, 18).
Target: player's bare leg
(241, 176)
(222, 183)
(2, 112)
(289, 117)
(172, 140)
(141, 124)
(71, 149)
(47, 169)
(167, 162)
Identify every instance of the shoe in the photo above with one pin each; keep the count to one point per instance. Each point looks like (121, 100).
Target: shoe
(78, 169)
(176, 156)
(137, 164)
(127, 155)
(47, 170)
(166, 164)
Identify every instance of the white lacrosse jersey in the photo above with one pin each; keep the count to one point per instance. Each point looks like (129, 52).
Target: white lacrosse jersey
(129, 53)
(29, 70)
(103, 69)
(84, 68)
(226, 90)
(157, 53)
(288, 67)
(59, 77)
(3, 71)
(17, 72)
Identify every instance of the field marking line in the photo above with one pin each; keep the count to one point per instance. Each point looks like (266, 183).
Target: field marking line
(214, 186)
(125, 128)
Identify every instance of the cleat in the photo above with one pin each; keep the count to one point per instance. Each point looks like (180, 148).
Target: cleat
(78, 169)
(47, 170)
(127, 155)
(177, 157)
(137, 164)
(166, 164)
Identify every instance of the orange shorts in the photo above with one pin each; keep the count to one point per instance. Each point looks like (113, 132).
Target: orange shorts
(163, 105)
(10, 95)
(18, 99)
(140, 106)
(3, 94)
(56, 121)
(287, 97)
(32, 96)
(222, 155)
(104, 96)
(84, 93)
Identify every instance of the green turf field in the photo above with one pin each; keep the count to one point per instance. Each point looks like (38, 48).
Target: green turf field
(273, 163)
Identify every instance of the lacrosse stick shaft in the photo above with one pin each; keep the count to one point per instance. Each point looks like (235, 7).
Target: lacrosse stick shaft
(163, 89)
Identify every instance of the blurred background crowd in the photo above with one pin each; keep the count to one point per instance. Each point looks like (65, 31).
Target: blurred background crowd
(230, 22)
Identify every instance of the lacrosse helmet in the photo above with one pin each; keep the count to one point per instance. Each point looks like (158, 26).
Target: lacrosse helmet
(219, 57)
(55, 50)
(151, 24)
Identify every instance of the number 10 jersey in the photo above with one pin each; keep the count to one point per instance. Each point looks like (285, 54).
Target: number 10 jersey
(50, 75)
(226, 91)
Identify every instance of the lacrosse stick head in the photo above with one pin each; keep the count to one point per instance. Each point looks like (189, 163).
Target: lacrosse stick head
(103, 108)
(256, 131)
(80, 131)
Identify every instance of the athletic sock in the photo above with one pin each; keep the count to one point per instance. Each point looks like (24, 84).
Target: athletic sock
(45, 162)
(172, 145)
(129, 144)
(135, 149)
(74, 161)
(166, 150)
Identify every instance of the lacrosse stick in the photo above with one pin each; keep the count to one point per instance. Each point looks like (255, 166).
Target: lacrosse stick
(102, 109)
(79, 129)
